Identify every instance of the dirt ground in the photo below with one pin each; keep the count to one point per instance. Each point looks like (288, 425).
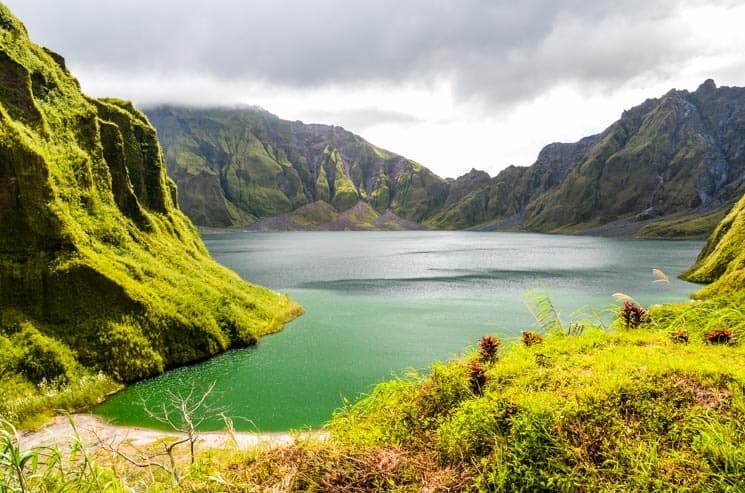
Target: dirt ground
(93, 430)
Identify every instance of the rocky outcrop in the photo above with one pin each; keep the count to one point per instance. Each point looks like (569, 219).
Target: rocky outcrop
(475, 199)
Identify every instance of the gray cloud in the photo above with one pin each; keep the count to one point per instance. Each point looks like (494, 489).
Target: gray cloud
(362, 118)
(495, 52)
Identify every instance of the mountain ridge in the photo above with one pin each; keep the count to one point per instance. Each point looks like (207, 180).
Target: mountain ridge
(668, 167)
(255, 165)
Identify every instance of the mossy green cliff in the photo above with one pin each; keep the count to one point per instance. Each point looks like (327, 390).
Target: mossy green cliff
(99, 270)
(234, 166)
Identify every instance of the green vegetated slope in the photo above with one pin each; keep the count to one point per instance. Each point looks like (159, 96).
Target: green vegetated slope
(234, 166)
(99, 270)
(670, 167)
(722, 261)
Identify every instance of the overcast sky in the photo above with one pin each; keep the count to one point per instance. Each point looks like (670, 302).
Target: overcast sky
(451, 84)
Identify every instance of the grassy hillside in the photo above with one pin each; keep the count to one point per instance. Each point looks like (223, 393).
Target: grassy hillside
(102, 278)
(722, 261)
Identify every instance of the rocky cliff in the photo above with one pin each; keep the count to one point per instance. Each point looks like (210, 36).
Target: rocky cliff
(669, 167)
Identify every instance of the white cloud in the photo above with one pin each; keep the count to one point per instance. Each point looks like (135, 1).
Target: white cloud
(453, 85)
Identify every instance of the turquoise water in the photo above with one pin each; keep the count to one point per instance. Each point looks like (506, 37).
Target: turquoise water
(378, 303)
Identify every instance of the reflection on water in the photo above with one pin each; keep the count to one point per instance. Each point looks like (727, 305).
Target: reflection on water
(380, 302)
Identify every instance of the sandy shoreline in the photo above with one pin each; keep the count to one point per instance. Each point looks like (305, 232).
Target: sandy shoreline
(92, 429)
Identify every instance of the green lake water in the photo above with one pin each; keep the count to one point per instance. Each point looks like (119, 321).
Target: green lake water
(378, 303)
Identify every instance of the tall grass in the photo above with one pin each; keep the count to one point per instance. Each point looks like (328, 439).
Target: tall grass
(58, 468)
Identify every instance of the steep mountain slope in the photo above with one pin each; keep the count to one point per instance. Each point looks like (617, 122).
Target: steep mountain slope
(99, 270)
(669, 167)
(234, 166)
(680, 153)
(476, 199)
(722, 261)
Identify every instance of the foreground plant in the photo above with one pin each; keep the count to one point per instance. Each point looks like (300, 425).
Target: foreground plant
(720, 336)
(679, 336)
(15, 464)
(183, 413)
(633, 315)
(530, 338)
(489, 347)
(476, 378)
(66, 466)
(543, 310)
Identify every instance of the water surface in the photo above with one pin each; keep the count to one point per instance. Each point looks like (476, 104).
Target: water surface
(378, 303)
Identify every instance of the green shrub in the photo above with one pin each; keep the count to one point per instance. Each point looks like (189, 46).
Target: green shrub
(43, 359)
(129, 354)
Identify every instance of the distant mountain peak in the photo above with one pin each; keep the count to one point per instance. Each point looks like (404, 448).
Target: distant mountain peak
(707, 86)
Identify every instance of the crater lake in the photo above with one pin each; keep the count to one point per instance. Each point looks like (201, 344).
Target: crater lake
(378, 304)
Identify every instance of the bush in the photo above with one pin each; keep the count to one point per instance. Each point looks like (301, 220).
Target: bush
(720, 336)
(633, 315)
(476, 378)
(489, 347)
(679, 336)
(530, 338)
(43, 359)
(131, 355)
